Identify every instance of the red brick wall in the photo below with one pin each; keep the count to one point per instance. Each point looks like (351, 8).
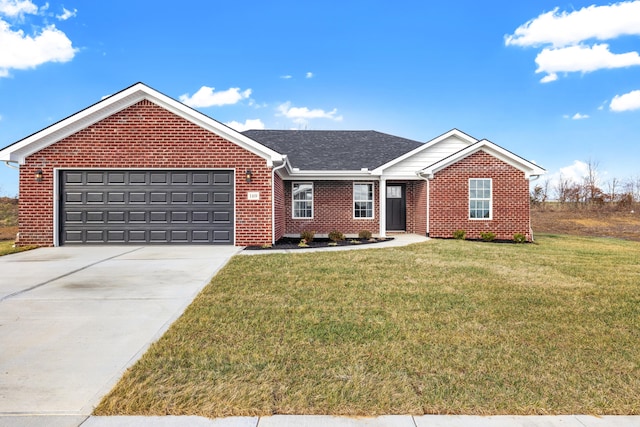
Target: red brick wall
(279, 210)
(449, 194)
(144, 136)
(419, 208)
(332, 210)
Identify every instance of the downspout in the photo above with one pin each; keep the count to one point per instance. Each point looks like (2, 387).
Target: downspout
(531, 179)
(273, 200)
(419, 173)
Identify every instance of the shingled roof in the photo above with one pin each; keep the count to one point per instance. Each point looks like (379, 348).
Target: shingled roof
(328, 150)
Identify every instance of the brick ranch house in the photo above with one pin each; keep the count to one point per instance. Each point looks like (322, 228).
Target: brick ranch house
(140, 167)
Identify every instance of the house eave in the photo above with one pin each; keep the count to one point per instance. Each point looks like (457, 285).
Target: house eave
(528, 168)
(323, 175)
(20, 150)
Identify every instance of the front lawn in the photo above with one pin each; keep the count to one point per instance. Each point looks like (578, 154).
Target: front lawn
(444, 326)
(7, 247)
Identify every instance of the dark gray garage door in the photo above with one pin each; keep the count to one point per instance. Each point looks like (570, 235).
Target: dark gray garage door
(136, 206)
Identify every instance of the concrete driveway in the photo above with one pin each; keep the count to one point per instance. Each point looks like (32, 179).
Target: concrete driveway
(72, 319)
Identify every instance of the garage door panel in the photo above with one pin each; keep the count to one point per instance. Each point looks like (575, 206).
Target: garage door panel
(147, 207)
(73, 178)
(137, 236)
(93, 197)
(95, 178)
(73, 197)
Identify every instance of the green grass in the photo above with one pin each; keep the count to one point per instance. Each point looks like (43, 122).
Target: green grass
(6, 247)
(446, 326)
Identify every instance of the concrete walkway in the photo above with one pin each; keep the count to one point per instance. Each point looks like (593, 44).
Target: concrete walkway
(400, 239)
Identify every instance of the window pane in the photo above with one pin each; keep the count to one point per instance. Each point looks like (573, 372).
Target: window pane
(363, 200)
(302, 200)
(480, 198)
(302, 192)
(394, 192)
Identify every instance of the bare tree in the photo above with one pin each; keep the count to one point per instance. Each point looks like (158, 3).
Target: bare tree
(592, 193)
(612, 187)
(562, 189)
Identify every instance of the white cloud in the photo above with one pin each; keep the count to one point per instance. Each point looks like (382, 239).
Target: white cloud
(573, 173)
(578, 116)
(568, 28)
(627, 102)
(567, 38)
(206, 97)
(17, 8)
(301, 115)
(286, 77)
(247, 125)
(20, 51)
(309, 75)
(581, 58)
(66, 14)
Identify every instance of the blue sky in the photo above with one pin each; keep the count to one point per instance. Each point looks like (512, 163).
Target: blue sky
(556, 82)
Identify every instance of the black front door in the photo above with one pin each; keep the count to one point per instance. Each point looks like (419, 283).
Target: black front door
(396, 208)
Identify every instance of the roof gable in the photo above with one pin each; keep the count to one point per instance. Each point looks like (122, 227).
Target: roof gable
(18, 151)
(466, 139)
(530, 169)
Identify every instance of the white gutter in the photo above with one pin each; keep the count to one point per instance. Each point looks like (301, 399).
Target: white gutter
(273, 201)
(426, 179)
(6, 162)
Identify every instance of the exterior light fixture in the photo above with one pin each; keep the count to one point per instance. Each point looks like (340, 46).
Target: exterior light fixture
(248, 175)
(39, 175)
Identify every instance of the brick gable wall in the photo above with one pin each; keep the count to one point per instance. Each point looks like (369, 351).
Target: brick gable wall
(144, 136)
(449, 194)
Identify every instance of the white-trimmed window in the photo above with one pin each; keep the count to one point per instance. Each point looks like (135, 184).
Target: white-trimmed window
(480, 206)
(363, 200)
(302, 194)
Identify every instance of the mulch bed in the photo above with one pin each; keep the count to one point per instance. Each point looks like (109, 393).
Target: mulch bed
(293, 243)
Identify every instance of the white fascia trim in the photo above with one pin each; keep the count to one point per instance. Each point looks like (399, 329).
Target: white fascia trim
(453, 132)
(117, 102)
(327, 175)
(529, 169)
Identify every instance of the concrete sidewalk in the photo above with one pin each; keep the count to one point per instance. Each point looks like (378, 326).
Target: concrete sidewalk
(323, 421)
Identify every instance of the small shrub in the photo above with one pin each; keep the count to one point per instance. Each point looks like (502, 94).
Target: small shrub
(336, 236)
(308, 235)
(364, 234)
(332, 244)
(459, 234)
(266, 246)
(355, 241)
(519, 238)
(488, 236)
(303, 244)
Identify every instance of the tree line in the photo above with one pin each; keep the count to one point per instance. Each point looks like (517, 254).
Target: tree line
(589, 192)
